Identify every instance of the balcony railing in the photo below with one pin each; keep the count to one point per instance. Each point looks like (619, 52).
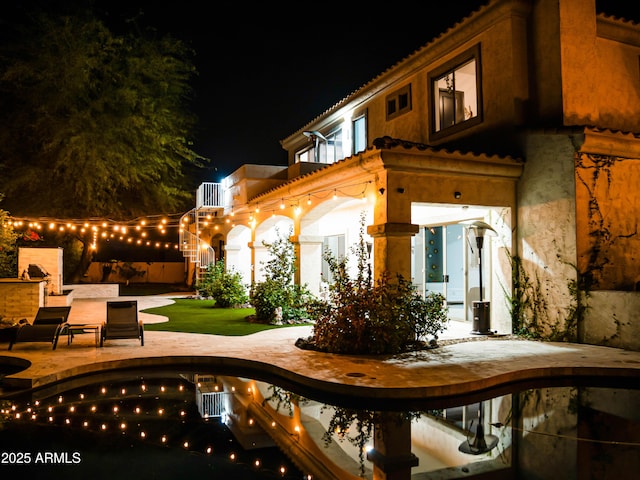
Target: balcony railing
(210, 195)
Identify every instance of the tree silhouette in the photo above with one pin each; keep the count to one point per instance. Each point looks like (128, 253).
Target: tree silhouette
(95, 125)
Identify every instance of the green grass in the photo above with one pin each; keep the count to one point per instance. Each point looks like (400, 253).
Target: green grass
(200, 316)
(138, 289)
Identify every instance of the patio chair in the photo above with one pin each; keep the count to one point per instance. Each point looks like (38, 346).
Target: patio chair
(47, 326)
(122, 322)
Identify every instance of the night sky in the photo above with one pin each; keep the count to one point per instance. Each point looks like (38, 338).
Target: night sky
(266, 69)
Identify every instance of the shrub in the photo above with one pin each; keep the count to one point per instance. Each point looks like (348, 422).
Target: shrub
(266, 297)
(387, 317)
(225, 287)
(278, 290)
(8, 250)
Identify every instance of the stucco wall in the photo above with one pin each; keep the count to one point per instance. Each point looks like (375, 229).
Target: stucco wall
(611, 319)
(546, 228)
(505, 88)
(608, 213)
(600, 70)
(545, 455)
(153, 272)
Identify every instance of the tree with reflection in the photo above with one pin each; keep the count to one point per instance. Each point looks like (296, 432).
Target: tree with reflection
(95, 125)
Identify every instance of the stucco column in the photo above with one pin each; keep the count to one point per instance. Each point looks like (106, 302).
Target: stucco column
(392, 229)
(391, 455)
(308, 252)
(259, 255)
(392, 248)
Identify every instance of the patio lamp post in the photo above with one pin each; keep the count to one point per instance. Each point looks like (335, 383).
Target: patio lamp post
(481, 442)
(481, 309)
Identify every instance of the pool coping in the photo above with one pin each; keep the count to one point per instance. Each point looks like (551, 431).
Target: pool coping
(446, 372)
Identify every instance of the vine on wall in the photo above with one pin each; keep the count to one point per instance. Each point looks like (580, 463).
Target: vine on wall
(591, 171)
(529, 306)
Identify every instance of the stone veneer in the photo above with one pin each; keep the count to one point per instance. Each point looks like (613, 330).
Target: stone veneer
(20, 298)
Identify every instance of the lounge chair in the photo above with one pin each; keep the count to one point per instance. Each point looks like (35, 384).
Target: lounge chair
(49, 324)
(122, 322)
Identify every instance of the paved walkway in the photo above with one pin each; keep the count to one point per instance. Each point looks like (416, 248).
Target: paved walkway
(476, 366)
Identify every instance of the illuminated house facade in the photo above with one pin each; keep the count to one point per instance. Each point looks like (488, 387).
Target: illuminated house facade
(524, 115)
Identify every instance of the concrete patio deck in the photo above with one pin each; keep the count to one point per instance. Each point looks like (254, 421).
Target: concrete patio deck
(478, 365)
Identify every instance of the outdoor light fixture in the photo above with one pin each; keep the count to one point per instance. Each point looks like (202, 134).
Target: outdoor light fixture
(480, 443)
(481, 312)
(315, 136)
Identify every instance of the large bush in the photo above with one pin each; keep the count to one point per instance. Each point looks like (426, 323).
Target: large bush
(225, 287)
(277, 299)
(360, 317)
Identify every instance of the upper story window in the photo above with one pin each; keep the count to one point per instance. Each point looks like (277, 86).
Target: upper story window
(359, 134)
(456, 94)
(331, 149)
(324, 149)
(398, 102)
(307, 155)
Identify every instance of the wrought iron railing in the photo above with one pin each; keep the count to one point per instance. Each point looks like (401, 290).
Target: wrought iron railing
(193, 248)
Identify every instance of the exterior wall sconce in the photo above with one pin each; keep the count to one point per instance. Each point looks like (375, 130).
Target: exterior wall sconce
(315, 137)
(457, 195)
(381, 191)
(400, 190)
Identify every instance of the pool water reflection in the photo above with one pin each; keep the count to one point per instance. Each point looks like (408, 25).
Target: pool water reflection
(166, 425)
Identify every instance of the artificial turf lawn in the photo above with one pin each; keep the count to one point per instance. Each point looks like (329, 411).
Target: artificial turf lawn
(200, 316)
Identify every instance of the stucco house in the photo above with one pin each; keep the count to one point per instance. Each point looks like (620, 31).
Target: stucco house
(524, 115)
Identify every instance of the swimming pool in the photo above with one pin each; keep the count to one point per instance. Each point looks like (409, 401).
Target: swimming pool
(215, 424)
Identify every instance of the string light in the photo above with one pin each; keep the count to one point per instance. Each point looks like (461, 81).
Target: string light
(99, 228)
(247, 215)
(104, 229)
